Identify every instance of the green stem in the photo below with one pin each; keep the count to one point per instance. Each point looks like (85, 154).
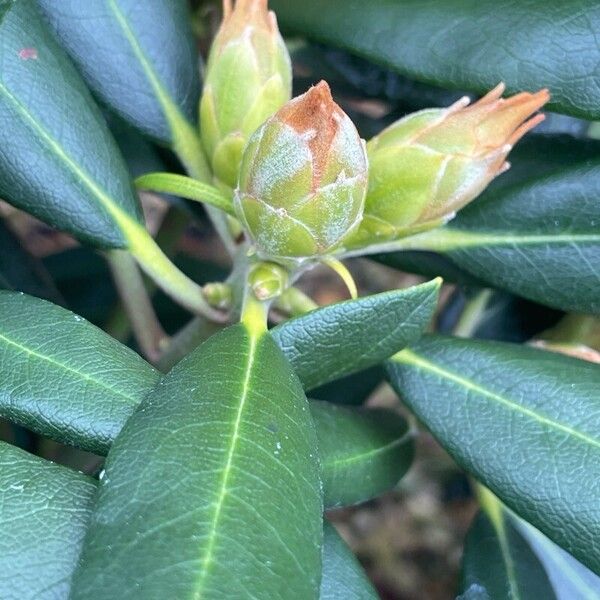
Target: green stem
(295, 302)
(575, 328)
(472, 313)
(130, 285)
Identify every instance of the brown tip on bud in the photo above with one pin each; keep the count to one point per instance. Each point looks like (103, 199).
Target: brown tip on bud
(493, 94)
(246, 12)
(523, 129)
(227, 8)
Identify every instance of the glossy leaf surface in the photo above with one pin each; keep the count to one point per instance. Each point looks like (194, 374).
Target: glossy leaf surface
(65, 378)
(217, 472)
(537, 233)
(343, 338)
(468, 44)
(343, 577)
(140, 58)
(44, 511)
(364, 452)
(58, 160)
(494, 406)
(498, 559)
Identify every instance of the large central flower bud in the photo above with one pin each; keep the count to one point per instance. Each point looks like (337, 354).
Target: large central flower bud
(303, 179)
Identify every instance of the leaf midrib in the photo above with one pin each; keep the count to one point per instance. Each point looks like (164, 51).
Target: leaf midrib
(412, 358)
(223, 488)
(86, 377)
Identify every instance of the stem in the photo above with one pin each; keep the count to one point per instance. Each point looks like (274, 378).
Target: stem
(575, 328)
(254, 313)
(295, 302)
(185, 340)
(180, 287)
(472, 313)
(130, 285)
(335, 265)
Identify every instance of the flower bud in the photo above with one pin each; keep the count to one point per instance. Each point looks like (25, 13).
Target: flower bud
(430, 164)
(303, 179)
(248, 78)
(267, 280)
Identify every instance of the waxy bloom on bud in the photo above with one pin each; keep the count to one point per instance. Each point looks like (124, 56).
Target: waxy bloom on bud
(430, 164)
(303, 179)
(248, 78)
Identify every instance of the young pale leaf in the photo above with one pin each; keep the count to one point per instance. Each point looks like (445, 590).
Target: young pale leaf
(343, 577)
(500, 560)
(65, 378)
(212, 488)
(364, 452)
(58, 160)
(523, 421)
(537, 234)
(487, 41)
(44, 511)
(140, 58)
(343, 338)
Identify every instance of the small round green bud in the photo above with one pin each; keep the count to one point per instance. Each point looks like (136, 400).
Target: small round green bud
(248, 78)
(428, 165)
(267, 280)
(303, 179)
(218, 294)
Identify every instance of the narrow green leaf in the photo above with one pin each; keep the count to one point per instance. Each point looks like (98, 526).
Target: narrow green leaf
(141, 59)
(570, 579)
(522, 421)
(212, 488)
(500, 560)
(58, 160)
(364, 452)
(468, 44)
(343, 577)
(538, 234)
(44, 511)
(185, 187)
(65, 378)
(343, 338)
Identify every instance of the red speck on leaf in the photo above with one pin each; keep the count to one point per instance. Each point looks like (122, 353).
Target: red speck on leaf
(28, 54)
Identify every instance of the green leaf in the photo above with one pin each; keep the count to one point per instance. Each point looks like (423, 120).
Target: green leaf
(468, 44)
(44, 511)
(522, 421)
(57, 159)
(364, 452)
(343, 577)
(141, 60)
(65, 378)
(570, 579)
(500, 560)
(536, 235)
(212, 488)
(343, 338)
(185, 187)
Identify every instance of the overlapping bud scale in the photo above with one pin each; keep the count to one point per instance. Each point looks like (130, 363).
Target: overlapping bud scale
(248, 78)
(303, 179)
(430, 164)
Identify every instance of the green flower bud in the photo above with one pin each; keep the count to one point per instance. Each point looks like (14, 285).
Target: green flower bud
(248, 78)
(303, 179)
(428, 165)
(267, 280)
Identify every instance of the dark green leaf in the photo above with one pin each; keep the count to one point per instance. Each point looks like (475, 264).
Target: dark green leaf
(538, 234)
(343, 338)
(500, 560)
(19, 270)
(44, 511)
(523, 421)
(212, 488)
(468, 44)
(343, 577)
(64, 378)
(364, 452)
(570, 579)
(57, 159)
(353, 389)
(140, 58)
